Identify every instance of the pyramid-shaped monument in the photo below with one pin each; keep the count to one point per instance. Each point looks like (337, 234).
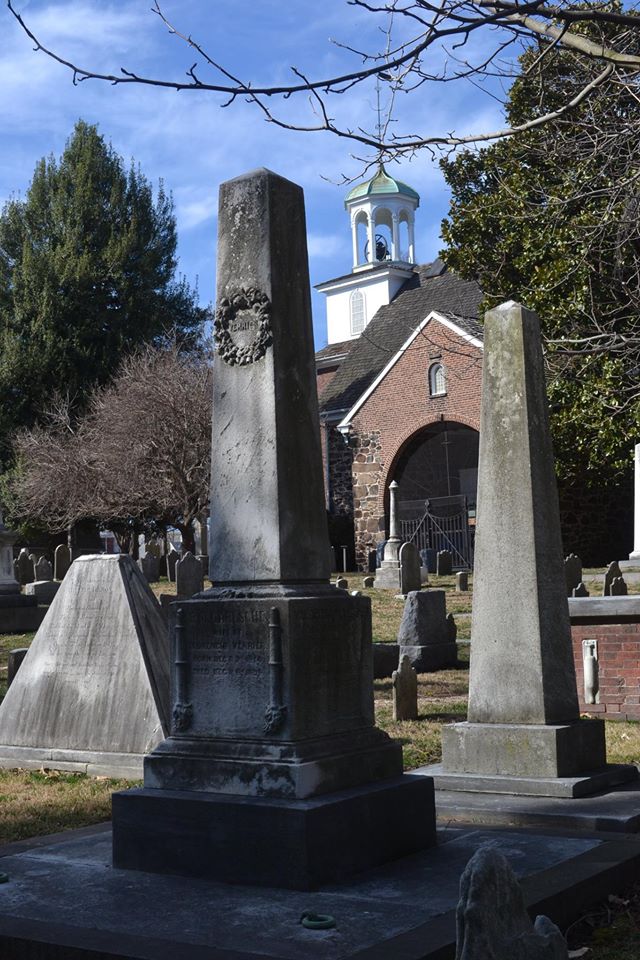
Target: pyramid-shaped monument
(92, 693)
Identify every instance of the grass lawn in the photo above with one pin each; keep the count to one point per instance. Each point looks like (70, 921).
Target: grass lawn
(34, 803)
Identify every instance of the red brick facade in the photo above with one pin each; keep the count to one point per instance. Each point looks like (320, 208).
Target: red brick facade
(618, 668)
(398, 409)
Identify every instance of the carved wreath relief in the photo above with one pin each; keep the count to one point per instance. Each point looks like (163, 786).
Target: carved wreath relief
(244, 311)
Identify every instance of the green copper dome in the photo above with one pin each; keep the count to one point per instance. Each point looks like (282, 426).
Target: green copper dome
(379, 185)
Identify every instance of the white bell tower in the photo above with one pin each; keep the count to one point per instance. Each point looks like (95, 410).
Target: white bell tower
(382, 217)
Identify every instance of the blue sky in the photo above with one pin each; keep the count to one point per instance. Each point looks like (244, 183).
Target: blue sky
(188, 140)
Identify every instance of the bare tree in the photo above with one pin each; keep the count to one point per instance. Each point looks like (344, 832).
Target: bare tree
(424, 42)
(141, 454)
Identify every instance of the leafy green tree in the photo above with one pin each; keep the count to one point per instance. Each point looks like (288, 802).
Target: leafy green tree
(550, 218)
(87, 273)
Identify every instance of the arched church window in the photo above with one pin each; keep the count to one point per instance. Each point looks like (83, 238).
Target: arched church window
(437, 380)
(357, 312)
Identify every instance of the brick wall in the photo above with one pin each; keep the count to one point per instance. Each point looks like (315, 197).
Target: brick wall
(618, 667)
(399, 408)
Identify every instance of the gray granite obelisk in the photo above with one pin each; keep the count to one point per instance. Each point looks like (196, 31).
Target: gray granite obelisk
(524, 733)
(274, 771)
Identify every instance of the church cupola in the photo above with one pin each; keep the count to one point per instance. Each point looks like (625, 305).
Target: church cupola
(382, 212)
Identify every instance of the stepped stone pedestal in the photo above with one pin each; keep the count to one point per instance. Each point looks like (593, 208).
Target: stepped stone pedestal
(524, 734)
(274, 772)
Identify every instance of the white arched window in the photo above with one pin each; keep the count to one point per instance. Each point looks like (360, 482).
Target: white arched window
(357, 312)
(437, 380)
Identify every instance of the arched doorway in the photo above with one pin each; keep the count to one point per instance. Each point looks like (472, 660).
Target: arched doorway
(437, 476)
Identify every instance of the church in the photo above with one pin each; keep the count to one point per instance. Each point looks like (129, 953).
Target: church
(399, 385)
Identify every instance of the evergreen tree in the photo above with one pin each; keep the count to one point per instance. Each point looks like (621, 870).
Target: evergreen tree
(87, 273)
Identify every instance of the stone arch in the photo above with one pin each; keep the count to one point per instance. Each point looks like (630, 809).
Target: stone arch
(405, 439)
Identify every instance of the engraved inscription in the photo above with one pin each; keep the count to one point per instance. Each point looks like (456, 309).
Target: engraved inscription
(244, 311)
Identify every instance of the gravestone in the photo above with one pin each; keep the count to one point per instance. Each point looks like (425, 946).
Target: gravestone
(189, 575)
(462, 581)
(429, 558)
(388, 576)
(492, 922)
(43, 569)
(618, 587)
(14, 662)
(410, 578)
(580, 591)
(149, 566)
(524, 734)
(274, 772)
(18, 613)
(444, 563)
(61, 561)
(380, 553)
(424, 635)
(92, 694)
(172, 558)
(342, 583)
(152, 548)
(612, 572)
(368, 582)
(572, 572)
(405, 691)
(25, 567)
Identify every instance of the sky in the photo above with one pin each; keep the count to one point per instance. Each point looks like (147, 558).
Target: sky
(193, 144)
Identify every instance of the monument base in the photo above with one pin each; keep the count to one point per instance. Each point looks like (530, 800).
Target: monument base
(388, 576)
(535, 751)
(611, 775)
(295, 844)
(430, 656)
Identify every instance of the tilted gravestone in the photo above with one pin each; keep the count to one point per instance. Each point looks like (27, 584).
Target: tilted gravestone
(405, 691)
(444, 563)
(189, 575)
(92, 694)
(524, 734)
(61, 561)
(492, 922)
(572, 572)
(273, 739)
(424, 635)
(410, 578)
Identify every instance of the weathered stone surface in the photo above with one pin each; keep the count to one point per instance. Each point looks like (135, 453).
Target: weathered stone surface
(425, 634)
(61, 561)
(149, 565)
(410, 578)
(405, 691)
(523, 705)
(572, 572)
(189, 575)
(580, 591)
(172, 558)
(462, 581)
(492, 922)
(612, 572)
(444, 563)
(93, 692)
(25, 567)
(618, 587)
(385, 659)
(43, 590)
(264, 326)
(389, 576)
(43, 569)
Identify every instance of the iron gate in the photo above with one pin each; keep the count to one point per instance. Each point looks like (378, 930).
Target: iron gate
(444, 525)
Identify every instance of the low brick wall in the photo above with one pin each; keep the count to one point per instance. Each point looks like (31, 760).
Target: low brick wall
(614, 622)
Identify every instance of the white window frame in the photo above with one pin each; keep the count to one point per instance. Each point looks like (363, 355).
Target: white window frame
(437, 380)
(357, 297)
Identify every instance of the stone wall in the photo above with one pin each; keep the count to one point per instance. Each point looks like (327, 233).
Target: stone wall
(619, 668)
(369, 522)
(341, 493)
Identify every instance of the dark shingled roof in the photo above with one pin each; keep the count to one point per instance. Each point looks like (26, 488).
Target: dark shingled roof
(430, 288)
(332, 350)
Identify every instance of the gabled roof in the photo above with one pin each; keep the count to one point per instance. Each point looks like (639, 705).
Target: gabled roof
(431, 288)
(333, 351)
